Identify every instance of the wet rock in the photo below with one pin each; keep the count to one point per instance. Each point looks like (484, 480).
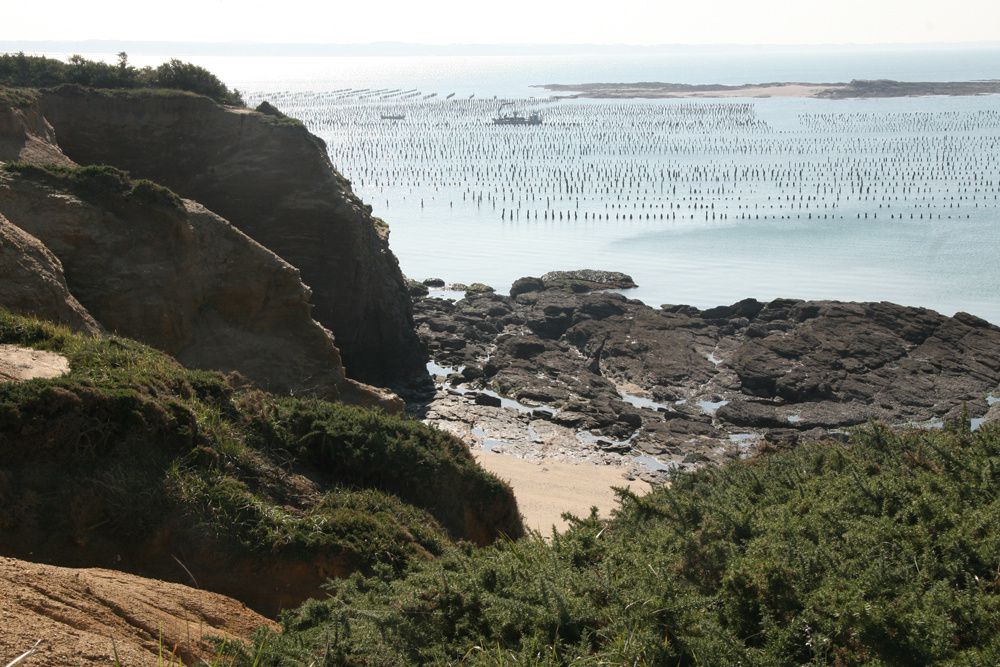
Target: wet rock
(799, 369)
(433, 282)
(587, 280)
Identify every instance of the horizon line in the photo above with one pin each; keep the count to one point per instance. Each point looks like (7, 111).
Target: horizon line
(21, 44)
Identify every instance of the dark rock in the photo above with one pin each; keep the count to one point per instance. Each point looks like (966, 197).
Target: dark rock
(415, 288)
(601, 306)
(487, 400)
(743, 413)
(586, 280)
(632, 419)
(681, 309)
(478, 288)
(526, 284)
(471, 372)
(782, 436)
(972, 321)
(269, 109)
(524, 347)
(827, 364)
(433, 282)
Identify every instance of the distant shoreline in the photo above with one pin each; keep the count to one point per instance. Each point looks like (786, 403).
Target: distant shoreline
(857, 89)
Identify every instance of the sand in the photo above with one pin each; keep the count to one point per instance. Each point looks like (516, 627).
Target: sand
(545, 490)
(784, 90)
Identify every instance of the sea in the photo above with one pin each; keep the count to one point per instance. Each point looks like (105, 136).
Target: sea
(703, 202)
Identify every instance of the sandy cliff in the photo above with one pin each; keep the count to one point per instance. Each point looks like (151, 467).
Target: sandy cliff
(90, 616)
(25, 135)
(171, 274)
(32, 281)
(272, 180)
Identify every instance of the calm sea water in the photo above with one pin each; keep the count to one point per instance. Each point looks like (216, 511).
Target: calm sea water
(702, 202)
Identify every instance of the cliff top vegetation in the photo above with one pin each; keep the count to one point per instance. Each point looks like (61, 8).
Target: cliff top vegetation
(19, 70)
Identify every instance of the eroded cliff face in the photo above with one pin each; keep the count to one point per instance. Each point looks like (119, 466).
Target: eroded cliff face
(274, 181)
(25, 136)
(78, 611)
(32, 281)
(176, 276)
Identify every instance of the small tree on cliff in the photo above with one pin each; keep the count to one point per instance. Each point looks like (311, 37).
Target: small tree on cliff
(185, 76)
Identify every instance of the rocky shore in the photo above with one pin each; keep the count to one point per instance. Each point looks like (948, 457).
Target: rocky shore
(563, 369)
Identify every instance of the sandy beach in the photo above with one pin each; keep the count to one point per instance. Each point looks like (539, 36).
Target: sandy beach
(545, 490)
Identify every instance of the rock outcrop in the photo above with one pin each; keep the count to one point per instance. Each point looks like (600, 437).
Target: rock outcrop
(25, 135)
(32, 281)
(101, 617)
(601, 375)
(176, 276)
(272, 180)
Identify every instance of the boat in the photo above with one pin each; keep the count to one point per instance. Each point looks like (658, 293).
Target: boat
(389, 116)
(514, 118)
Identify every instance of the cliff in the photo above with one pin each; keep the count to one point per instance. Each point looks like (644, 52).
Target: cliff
(25, 135)
(169, 272)
(132, 462)
(102, 617)
(273, 181)
(32, 281)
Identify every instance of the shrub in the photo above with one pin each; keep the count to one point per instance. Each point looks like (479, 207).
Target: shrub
(24, 71)
(882, 552)
(130, 443)
(101, 184)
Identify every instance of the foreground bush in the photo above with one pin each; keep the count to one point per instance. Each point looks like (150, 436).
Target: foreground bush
(882, 552)
(133, 462)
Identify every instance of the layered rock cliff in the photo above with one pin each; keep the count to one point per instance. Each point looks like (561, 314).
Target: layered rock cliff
(168, 272)
(272, 180)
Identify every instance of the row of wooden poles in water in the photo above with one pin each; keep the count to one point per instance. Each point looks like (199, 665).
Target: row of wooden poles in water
(657, 161)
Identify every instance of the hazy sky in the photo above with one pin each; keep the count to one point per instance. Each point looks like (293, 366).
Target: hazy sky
(507, 21)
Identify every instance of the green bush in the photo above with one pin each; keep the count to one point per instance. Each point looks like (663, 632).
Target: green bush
(140, 443)
(100, 184)
(24, 71)
(882, 552)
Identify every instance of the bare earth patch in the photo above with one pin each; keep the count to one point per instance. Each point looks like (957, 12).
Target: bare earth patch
(22, 363)
(85, 616)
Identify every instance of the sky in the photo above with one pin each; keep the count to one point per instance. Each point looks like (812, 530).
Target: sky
(641, 22)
